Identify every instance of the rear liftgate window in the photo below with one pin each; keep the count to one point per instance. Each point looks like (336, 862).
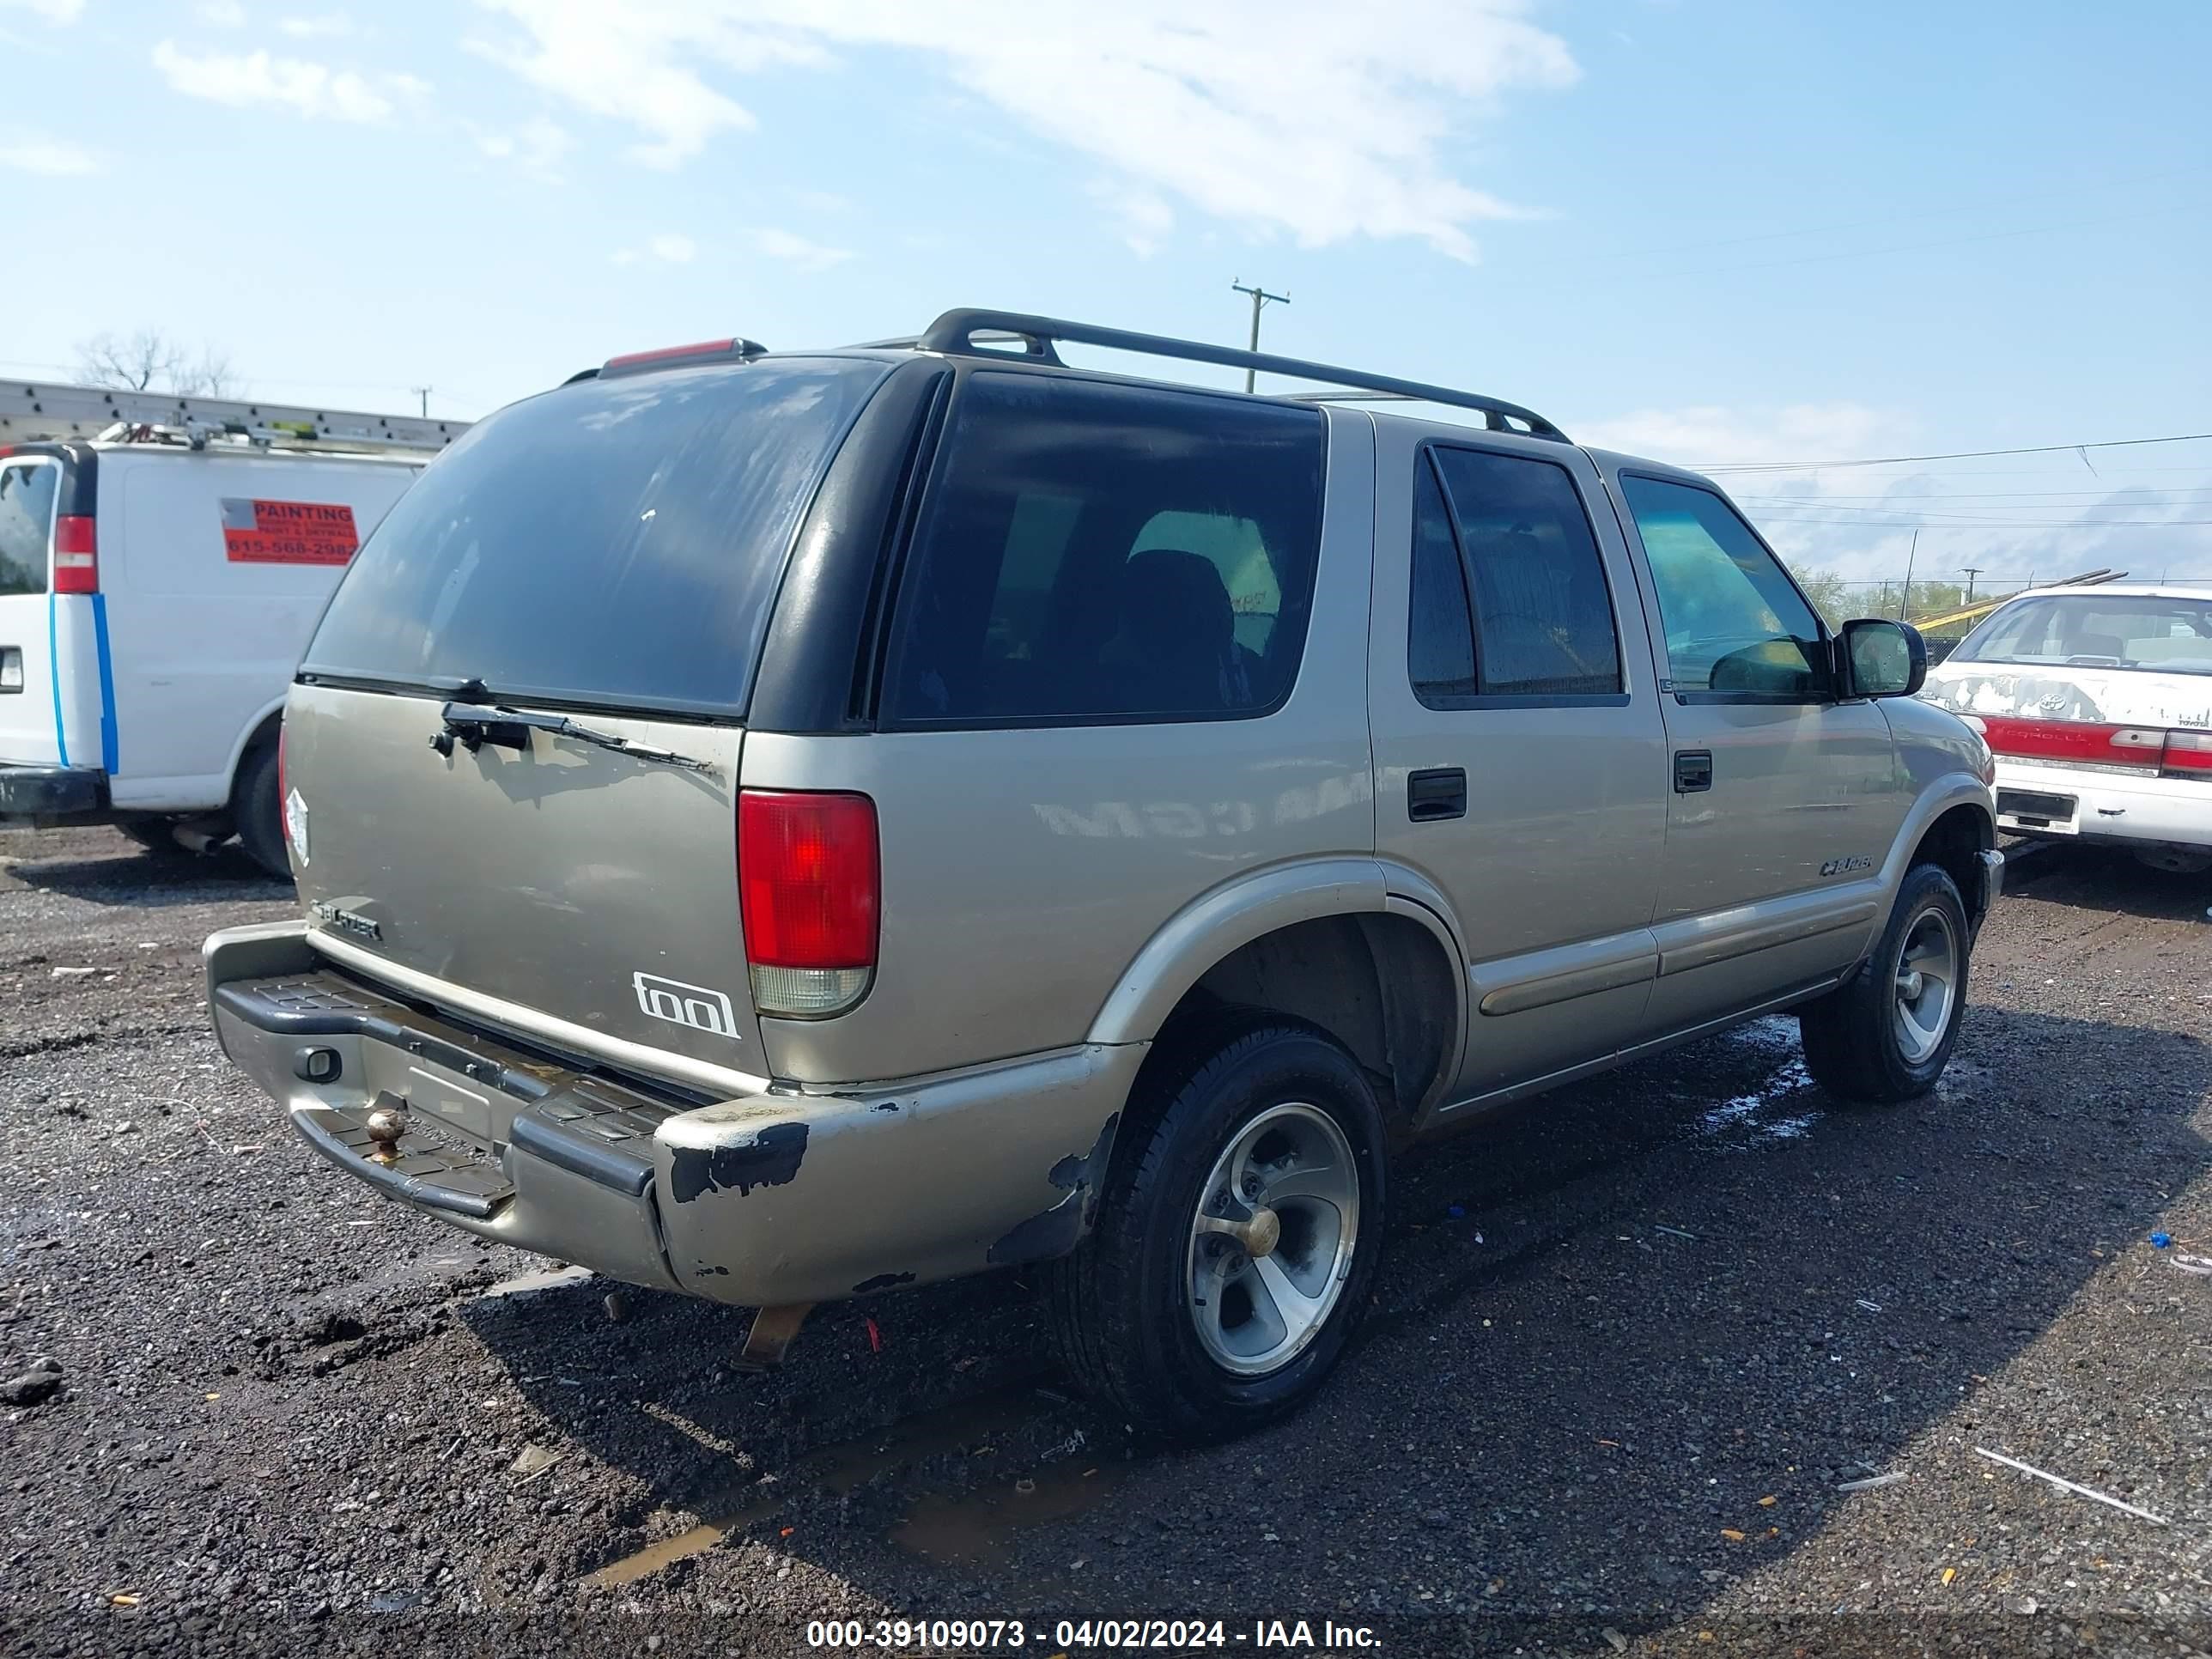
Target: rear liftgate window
(616, 542)
(1096, 553)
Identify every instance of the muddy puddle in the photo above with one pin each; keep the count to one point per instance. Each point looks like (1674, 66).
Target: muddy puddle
(942, 1528)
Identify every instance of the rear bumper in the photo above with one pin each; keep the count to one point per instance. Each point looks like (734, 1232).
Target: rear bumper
(782, 1197)
(2075, 803)
(46, 795)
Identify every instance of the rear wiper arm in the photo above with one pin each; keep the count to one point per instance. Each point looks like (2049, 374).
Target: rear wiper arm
(474, 724)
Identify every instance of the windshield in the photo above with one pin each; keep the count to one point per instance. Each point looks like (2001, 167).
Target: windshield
(617, 542)
(2098, 630)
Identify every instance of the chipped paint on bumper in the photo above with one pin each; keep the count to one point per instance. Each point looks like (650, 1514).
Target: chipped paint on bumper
(833, 1195)
(788, 1196)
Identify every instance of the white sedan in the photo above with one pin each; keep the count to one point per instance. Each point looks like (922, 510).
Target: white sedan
(2098, 704)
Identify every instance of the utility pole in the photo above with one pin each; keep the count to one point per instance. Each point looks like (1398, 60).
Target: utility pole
(1970, 572)
(423, 392)
(1904, 600)
(1259, 297)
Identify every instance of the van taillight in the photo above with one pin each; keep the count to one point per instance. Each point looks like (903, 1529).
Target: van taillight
(76, 555)
(810, 888)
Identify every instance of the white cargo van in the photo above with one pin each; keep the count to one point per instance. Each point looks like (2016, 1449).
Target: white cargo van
(162, 562)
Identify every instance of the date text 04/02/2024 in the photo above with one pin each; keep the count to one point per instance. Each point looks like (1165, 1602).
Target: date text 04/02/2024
(1172, 1635)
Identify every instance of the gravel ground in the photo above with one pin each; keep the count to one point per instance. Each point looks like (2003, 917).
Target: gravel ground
(1629, 1342)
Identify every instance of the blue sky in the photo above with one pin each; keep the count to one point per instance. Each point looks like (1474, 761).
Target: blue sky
(1719, 231)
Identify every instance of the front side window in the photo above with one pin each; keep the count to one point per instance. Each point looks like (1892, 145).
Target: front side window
(1735, 622)
(27, 524)
(1093, 552)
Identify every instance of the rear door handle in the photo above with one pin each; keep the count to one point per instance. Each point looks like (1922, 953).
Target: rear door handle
(1693, 770)
(1440, 793)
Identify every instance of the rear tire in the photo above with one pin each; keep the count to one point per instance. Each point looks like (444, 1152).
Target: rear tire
(1198, 1308)
(259, 814)
(1883, 1035)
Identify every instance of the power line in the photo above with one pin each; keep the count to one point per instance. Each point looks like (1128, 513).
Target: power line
(1949, 455)
(1904, 515)
(2061, 495)
(1972, 526)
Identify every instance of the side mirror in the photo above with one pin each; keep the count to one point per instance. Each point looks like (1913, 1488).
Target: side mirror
(1881, 658)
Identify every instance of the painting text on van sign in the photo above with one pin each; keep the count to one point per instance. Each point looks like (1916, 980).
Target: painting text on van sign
(288, 532)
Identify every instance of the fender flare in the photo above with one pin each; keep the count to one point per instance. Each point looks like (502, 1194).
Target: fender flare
(1251, 906)
(1950, 790)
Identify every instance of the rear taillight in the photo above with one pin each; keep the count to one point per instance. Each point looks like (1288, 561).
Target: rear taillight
(76, 555)
(2144, 749)
(810, 886)
(2188, 755)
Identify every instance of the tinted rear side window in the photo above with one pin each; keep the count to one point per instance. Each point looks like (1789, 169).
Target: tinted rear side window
(1543, 614)
(26, 520)
(1097, 552)
(619, 541)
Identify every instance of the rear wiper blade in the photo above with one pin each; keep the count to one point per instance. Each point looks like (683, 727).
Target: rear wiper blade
(476, 723)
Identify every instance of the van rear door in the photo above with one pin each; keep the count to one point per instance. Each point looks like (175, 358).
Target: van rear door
(35, 713)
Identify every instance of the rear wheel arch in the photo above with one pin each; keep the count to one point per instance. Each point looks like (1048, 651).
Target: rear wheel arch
(256, 811)
(1383, 984)
(259, 733)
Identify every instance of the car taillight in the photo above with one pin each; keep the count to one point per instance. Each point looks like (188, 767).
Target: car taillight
(809, 888)
(76, 555)
(2188, 755)
(2145, 749)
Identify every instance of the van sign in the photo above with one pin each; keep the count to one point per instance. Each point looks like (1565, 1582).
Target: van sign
(288, 532)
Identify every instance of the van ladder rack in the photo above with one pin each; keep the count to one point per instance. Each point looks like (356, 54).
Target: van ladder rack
(35, 414)
(967, 333)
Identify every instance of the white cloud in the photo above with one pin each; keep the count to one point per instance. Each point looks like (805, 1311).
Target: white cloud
(795, 250)
(1146, 220)
(313, 90)
(536, 146)
(669, 249)
(48, 157)
(1307, 117)
(819, 201)
(309, 28)
(1707, 435)
(53, 11)
(220, 14)
(1859, 521)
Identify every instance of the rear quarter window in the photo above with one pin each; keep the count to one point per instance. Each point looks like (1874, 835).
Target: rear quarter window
(617, 542)
(1098, 553)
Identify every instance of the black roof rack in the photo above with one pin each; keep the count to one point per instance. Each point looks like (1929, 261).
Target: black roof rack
(962, 332)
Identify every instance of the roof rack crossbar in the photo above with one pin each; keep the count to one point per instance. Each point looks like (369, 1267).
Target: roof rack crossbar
(956, 332)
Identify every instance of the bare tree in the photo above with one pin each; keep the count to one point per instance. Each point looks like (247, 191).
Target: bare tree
(147, 360)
